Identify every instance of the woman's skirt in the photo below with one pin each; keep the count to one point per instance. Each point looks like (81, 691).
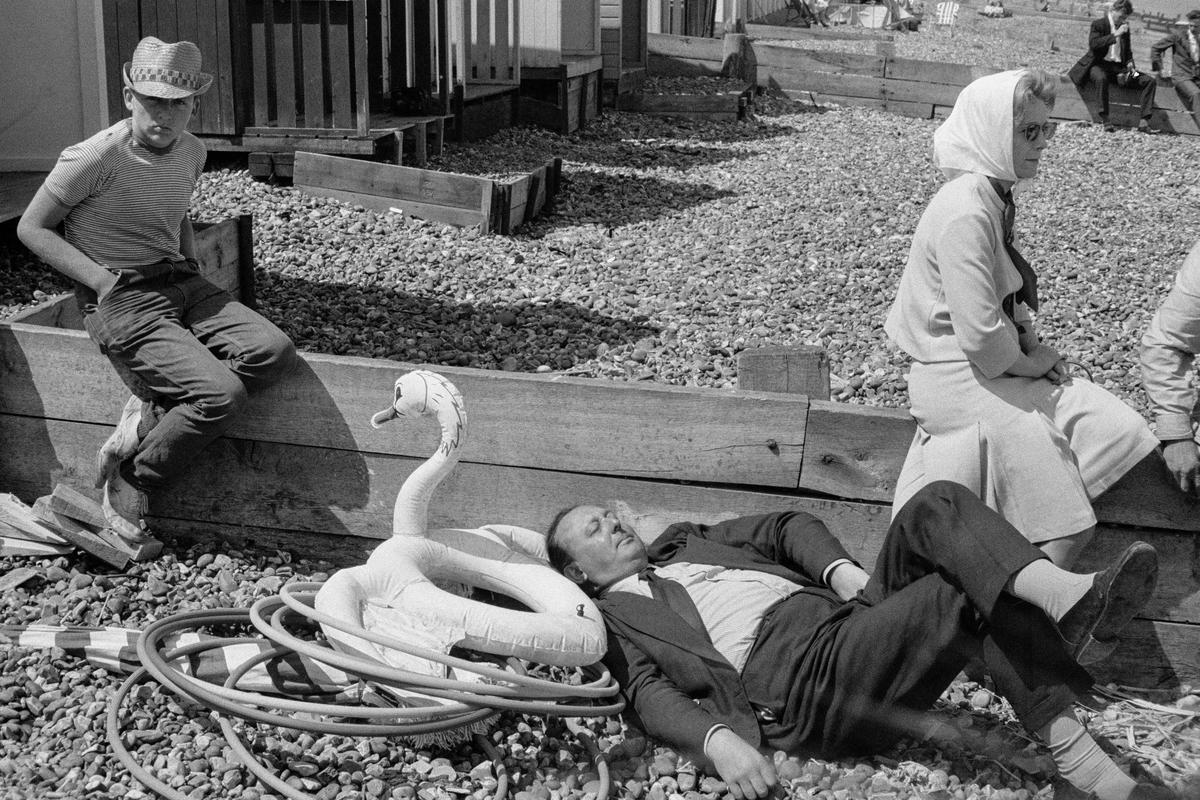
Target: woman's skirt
(1035, 452)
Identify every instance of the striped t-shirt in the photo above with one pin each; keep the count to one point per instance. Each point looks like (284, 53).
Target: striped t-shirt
(126, 200)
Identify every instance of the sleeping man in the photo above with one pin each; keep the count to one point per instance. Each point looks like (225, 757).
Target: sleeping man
(761, 633)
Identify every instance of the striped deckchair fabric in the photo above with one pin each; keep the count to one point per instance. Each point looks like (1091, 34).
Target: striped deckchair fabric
(947, 14)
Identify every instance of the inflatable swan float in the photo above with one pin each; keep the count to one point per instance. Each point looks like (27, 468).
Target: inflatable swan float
(394, 595)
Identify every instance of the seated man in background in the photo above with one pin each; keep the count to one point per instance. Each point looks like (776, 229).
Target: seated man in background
(1109, 60)
(1185, 63)
(1169, 347)
(762, 632)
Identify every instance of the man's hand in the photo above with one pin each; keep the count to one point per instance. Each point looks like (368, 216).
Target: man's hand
(847, 579)
(1122, 30)
(748, 774)
(1183, 460)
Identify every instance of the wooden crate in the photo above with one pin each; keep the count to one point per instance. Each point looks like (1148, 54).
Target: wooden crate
(562, 98)
(464, 200)
(304, 470)
(724, 107)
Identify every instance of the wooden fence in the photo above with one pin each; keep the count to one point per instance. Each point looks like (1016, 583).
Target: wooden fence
(304, 470)
(881, 80)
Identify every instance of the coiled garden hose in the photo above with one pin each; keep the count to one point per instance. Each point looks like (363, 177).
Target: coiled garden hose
(468, 702)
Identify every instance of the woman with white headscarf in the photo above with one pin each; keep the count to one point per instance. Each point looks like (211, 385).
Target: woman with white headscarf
(996, 409)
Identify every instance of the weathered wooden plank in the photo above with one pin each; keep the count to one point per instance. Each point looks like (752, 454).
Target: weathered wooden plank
(282, 49)
(261, 36)
(796, 369)
(695, 104)
(463, 218)
(340, 65)
(856, 451)
(347, 493)
(693, 47)
(597, 426)
(792, 58)
(313, 69)
(916, 92)
(683, 67)
(24, 547)
(389, 180)
(959, 75)
(823, 83)
(917, 110)
(789, 33)
(1161, 655)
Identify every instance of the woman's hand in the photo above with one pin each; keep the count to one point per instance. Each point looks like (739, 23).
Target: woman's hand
(1042, 361)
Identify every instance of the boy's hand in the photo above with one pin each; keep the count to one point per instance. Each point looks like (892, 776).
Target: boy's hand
(105, 286)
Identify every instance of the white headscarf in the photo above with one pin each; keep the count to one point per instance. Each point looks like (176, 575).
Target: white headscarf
(978, 134)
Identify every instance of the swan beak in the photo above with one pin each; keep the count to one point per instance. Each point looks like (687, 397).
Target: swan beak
(386, 415)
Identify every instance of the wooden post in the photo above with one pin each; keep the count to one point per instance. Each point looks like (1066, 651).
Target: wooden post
(737, 58)
(795, 369)
(245, 267)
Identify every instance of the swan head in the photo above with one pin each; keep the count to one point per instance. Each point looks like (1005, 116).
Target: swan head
(418, 393)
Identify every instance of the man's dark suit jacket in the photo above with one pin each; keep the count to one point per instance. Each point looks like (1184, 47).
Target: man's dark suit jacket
(1183, 66)
(674, 679)
(1100, 38)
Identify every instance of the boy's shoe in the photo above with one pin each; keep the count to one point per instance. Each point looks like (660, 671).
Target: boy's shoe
(1090, 627)
(124, 506)
(1144, 127)
(122, 444)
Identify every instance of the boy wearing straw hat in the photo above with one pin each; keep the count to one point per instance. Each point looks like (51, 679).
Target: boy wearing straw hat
(187, 350)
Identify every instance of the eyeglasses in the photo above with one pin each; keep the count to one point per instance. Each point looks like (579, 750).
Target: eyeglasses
(1031, 132)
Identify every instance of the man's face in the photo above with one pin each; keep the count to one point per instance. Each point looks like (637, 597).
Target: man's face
(1194, 27)
(603, 551)
(1119, 17)
(158, 122)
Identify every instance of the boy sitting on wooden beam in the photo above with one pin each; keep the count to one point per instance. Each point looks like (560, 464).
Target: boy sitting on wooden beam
(186, 349)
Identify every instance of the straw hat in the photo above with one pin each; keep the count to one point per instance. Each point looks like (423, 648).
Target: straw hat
(159, 69)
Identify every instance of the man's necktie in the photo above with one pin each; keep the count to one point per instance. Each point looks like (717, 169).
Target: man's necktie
(677, 598)
(1028, 293)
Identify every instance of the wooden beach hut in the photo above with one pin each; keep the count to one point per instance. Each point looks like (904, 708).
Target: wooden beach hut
(53, 80)
(623, 32)
(561, 63)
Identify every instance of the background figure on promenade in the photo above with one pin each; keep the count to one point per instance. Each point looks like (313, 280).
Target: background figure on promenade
(187, 350)
(1168, 350)
(761, 632)
(995, 408)
(1185, 63)
(1109, 60)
